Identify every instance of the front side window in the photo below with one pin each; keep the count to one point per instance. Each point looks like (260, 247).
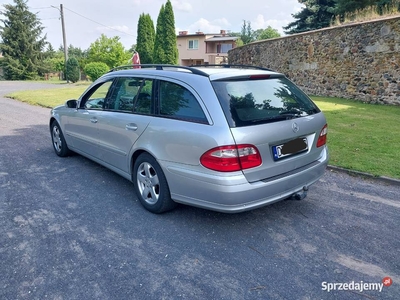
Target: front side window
(262, 100)
(193, 44)
(179, 103)
(131, 95)
(95, 99)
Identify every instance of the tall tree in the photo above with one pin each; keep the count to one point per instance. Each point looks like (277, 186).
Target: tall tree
(48, 58)
(159, 51)
(22, 42)
(315, 15)
(165, 48)
(109, 51)
(49, 52)
(145, 39)
(247, 34)
(169, 41)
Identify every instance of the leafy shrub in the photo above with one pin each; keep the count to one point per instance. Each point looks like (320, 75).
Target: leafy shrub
(73, 71)
(95, 69)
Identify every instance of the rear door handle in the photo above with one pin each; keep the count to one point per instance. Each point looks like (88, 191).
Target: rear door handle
(131, 126)
(93, 120)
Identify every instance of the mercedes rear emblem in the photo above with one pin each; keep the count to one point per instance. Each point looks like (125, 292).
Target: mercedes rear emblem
(295, 127)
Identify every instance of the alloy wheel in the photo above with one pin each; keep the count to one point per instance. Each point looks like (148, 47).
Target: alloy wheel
(57, 139)
(148, 183)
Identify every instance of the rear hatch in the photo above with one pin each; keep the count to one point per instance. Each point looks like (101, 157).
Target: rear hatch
(273, 114)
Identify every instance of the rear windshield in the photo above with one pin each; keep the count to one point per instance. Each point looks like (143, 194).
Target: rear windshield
(249, 102)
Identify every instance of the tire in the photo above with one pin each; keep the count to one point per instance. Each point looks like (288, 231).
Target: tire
(151, 185)
(58, 141)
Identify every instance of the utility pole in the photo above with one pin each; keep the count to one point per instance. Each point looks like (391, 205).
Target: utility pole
(64, 39)
(61, 9)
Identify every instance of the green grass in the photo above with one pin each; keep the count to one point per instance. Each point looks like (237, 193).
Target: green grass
(51, 97)
(361, 137)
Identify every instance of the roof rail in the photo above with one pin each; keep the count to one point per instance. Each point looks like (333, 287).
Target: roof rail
(234, 66)
(160, 67)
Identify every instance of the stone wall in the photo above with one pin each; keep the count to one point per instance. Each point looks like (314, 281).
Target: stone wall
(357, 61)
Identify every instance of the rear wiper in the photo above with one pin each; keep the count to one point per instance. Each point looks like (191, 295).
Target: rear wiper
(275, 118)
(291, 112)
(286, 116)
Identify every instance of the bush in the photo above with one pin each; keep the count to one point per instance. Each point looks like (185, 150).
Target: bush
(96, 69)
(73, 71)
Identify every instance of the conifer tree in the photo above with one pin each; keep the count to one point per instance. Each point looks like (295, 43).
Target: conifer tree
(315, 15)
(320, 13)
(159, 53)
(169, 40)
(145, 39)
(22, 43)
(246, 34)
(165, 48)
(73, 70)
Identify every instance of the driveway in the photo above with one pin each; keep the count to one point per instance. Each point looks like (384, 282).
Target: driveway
(71, 229)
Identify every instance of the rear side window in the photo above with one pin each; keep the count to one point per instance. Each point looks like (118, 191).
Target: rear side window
(179, 103)
(257, 101)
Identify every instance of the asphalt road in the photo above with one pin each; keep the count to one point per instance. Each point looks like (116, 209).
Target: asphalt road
(71, 229)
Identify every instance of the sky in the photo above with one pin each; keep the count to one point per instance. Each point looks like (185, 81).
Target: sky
(86, 20)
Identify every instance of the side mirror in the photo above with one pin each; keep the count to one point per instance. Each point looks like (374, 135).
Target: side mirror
(71, 103)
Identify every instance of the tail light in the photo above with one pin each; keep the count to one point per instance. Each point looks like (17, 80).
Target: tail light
(231, 158)
(322, 136)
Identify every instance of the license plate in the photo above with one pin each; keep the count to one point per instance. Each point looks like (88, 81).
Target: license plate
(290, 148)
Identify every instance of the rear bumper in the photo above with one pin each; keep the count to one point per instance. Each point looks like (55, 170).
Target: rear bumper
(233, 193)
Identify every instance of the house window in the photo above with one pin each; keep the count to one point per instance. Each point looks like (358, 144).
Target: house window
(193, 44)
(225, 48)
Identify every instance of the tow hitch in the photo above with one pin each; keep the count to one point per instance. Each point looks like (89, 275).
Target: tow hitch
(300, 195)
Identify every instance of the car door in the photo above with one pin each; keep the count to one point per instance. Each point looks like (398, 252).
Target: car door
(126, 115)
(82, 125)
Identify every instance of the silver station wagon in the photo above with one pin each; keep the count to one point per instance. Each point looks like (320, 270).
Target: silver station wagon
(226, 138)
